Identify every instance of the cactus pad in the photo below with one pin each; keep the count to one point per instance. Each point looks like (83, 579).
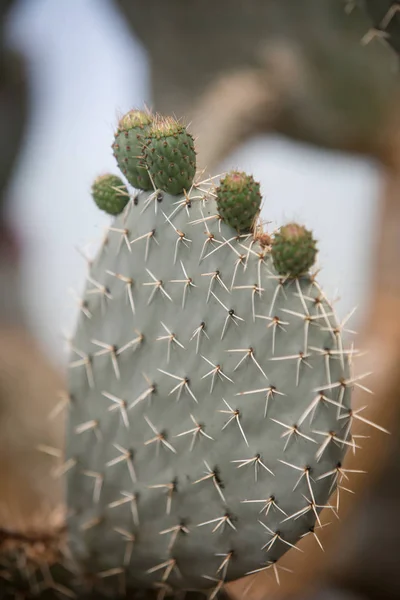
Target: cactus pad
(170, 156)
(210, 402)
(238, 200)
(128, 148)
(110, 194)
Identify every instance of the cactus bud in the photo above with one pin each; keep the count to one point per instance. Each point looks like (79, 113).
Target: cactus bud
(293, 250)
(128, 147)
(238, 200)
(110, 194)
(170, 156)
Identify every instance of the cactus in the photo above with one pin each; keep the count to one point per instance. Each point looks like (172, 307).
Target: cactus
(210, 394)
(128, 147)
(238, 200)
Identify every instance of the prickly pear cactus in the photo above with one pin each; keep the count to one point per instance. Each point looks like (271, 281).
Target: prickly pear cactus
(386, 18)
(210, 395)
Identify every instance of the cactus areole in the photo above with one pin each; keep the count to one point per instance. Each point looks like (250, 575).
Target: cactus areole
(210, 411)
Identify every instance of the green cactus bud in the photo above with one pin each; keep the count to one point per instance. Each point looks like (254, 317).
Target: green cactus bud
(170, 156)
(238, 200)
(293, 250)
(128, 147)
(110, 194)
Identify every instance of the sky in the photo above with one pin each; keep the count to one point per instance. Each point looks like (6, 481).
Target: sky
(86, 70)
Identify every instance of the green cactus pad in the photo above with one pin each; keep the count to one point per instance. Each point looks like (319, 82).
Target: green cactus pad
(170, 156)
(128, 148)
(238, 200)
(293, 250)
(210, 404)
(110, 194)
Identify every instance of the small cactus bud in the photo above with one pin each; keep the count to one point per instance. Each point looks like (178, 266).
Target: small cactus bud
(170, 156)
(293, 250)
(135, 119)
(238, 200)
(110, 194)
(128, 147)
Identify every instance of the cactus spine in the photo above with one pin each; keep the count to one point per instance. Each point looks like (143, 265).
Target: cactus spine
(385, 17)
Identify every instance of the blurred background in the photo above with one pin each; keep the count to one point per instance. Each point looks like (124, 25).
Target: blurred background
(305, 96)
